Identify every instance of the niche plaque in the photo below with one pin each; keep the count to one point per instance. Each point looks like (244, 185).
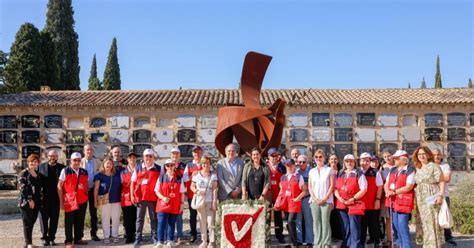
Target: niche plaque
(207, 135)
(321, 119)
(410, 147)
(119, 136)
(342, 150)
(208, 121)
(343, 120)
(30, 137)
(184, 121)
(365, 134)
(139, 148)
(366, 119)
(322, 134)
(456, 119)
(457, 163)
(163, 150)
(186, 151)
(98, 137)
(388, 134)
(141, 136)
(393, 147)
(54, 136)
(8, 121)
(75, 122)
(119, 121)
(142, 122)
(433, 120)
(53, 121)
(164, 135)
(456, 134)
(298, 120)
(74, 148)
(98, 122)
(75, 136)
(410, 120)
(210, 150)
(456, 149)
(433, 134)
(325, 147)
(9, 152)
(28, 150)
(366, 147)
(388, 120)
(411, 134)
(186, 135)
(299, 135)
(30, 121)
(125, 149)
(8, 137)
(343, 134)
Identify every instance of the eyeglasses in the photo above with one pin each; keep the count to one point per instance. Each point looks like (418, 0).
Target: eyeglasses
(148, 156)
(301, 162)
(76, 160)
(318, 156)
(169, 165)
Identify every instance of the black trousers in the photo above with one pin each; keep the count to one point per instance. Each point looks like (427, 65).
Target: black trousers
(28, 217)
(291, 226)
(448, 235)
(278, 220)
(336, 223)
(75, 220)
(192, 219)
(92, 213)
(49, 221)
(371, 221)
(129, 221)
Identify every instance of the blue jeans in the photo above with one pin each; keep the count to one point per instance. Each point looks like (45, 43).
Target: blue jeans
(351, 231)
(179, 226)
(166, 224)
(400, 226)
(304, 223)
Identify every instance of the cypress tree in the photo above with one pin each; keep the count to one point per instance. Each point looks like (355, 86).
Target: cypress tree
(94, 82)
(60, 27)
(3, 63)
(25, 68)
(469, 83)
(423, 83)
(409, 85)
(111, 79)
(51, 68)
(438, 83)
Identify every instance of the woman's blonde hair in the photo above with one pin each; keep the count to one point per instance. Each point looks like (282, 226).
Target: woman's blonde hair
(106, 159)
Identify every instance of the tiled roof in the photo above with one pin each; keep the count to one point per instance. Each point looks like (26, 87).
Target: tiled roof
(220, 97)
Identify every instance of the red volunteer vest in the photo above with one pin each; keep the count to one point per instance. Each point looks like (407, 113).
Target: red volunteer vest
(169, 187)
(74, 191)
(292, 190)
(125, 197)
(402, 203)
(146, 181)
(347, 186)
(371, 194)
(192, 167)
(275, 176)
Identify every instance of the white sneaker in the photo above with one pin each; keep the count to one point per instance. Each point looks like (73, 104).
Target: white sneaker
(170, 244)
(106, 241)
(116, 240)
(159, 245)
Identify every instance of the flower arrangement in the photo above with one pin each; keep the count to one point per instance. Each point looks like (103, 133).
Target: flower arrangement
(242, 224)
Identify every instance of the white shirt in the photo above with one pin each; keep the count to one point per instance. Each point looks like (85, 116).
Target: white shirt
(362, 180)
(203, 184)
(378, 178)
(410, 178)
(446, 169)
(320, 181)
(62, 176)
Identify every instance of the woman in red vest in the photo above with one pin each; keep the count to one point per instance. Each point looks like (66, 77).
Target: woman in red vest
(170, 191)
(293, 187)
(351, 186)
(277, 170)
(128, 208)
(73, 196)
(399, 189)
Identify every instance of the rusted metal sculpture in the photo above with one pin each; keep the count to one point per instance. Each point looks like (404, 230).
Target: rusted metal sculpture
(252, 125)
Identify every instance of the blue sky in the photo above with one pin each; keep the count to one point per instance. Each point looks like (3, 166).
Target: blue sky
(323, 44)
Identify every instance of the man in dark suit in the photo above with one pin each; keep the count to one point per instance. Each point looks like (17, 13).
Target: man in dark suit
(50, 209)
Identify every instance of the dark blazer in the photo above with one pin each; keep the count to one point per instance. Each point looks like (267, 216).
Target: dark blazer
(26, 189)
(50, 190)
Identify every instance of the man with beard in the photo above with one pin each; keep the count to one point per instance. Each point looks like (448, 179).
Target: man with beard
(50, 209)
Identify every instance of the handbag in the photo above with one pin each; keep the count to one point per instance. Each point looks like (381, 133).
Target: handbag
(198, 200)
(281, 201)
(358, 208)
(104, 199)
(445, 218)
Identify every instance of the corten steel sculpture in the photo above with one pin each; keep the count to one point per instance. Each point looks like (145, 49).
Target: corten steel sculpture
(252, 125)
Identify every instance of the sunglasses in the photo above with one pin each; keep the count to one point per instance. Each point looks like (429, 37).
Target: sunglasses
(301, 162)
(318, 156)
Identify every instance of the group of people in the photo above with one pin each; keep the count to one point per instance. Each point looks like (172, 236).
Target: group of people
(319, 199)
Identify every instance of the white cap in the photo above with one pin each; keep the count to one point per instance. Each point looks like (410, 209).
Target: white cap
(365, 155)
(76, 155)
(400, 153)
(175, 150)
(169, 161)
(349, 157)
(148, 151)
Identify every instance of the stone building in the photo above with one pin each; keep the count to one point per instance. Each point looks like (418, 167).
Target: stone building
(338, 121)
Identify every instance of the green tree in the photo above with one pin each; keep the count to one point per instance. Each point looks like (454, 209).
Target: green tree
(51, 68)
(60, 27)
(469, 83)
(111, 78)
(423, 83)
(3, 63)
(438, 82)
(25, 69)
(94, 82)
